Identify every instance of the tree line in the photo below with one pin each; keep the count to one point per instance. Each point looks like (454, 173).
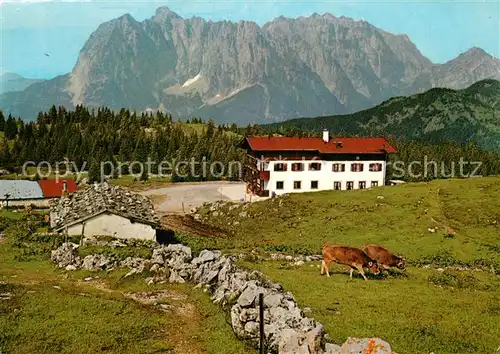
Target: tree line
(88, 138)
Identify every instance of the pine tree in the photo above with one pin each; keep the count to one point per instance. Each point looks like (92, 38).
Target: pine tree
(6, 158)
(2, 122)
(94, 174)
(10, 128)
(144, 176)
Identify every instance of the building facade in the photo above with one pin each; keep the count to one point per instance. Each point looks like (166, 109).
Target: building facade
(281, 165)
(110, 224)
(105, 210)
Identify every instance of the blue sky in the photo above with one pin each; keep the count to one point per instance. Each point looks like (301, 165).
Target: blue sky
(30, 29)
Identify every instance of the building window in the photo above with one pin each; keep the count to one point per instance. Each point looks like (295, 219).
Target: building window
(375, 167)
(357, 167)
(297, 166)
(337, 186)
(314, 184)
(280, 166)
(362, 184)
(350, 185)
(279, 184)
(338, 167)
(297, 185)
(314, 166)
(374, 183)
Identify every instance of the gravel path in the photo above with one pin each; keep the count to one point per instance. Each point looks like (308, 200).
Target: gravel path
(179, 198)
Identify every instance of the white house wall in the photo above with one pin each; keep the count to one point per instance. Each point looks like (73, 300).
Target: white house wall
(325, 177)
(113, 225)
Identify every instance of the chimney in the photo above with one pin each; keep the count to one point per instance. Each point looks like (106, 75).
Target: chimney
(65, 189)
(326, 136)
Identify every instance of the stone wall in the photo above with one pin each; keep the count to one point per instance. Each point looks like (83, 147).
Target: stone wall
(287, 330)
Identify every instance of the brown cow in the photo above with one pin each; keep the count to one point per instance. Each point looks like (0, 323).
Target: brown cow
(353, 257)
(384, 257)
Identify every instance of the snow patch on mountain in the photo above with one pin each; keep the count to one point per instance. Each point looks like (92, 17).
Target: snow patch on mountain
(191, 81)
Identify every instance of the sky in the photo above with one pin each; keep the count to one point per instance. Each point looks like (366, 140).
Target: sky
(42, 38)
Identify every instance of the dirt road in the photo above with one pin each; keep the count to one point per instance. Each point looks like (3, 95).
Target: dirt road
(180, 198)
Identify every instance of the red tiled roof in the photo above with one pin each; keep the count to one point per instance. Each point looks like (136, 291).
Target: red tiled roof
(52, 188)
(347, 146)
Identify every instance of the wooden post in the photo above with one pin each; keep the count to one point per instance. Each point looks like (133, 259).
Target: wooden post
(261, 322)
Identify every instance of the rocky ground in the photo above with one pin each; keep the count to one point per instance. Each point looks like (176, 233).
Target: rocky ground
(287, 330)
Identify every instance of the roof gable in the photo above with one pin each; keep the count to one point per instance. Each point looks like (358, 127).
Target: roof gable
(100, 198)
(61, 227)
(333, 146)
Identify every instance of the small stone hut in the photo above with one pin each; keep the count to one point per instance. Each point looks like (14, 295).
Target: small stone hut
(105, 210)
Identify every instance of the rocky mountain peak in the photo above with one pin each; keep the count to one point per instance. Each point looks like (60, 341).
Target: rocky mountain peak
(240, 72)
(474, 52)
(164, 13)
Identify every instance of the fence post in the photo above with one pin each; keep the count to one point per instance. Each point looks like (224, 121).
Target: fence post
(261, 322)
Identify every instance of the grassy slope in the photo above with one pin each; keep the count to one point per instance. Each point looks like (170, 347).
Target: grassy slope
(420, 311)
(84, 317)
(412, 313)
(302, 222)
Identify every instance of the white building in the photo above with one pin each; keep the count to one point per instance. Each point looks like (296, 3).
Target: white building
(105, 210)
(110, 223)
(292, 164)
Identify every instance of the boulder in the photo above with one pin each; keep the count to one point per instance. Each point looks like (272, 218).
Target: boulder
(97, 262)
(181, 249)
(291, 342)
(248, 295)
(313, 339)
(65, 255)
(333, 348)
(154, 268)
(206, 256)
(157, 256)
(273, 300)
(175, 277)
(251, 314)
(252, 329)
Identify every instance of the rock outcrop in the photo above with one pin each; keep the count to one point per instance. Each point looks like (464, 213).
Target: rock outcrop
(240, 72)
(286, 329)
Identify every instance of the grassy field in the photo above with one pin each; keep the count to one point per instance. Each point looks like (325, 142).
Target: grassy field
(465, 215)
(46, 310)
(417, 311)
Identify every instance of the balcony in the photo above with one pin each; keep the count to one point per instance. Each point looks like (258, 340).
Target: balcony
(264, 175)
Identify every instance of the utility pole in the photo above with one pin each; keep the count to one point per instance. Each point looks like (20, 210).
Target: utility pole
(7, 196)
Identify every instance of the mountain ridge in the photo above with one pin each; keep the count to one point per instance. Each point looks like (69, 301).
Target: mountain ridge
(11, 82)
(246, 73)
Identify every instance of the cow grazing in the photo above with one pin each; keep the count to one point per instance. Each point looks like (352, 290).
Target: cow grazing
(350, 256)
(384, 257)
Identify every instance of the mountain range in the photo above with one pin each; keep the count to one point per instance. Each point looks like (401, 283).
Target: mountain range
(437, 115)
(243, 73)
(10, 82)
